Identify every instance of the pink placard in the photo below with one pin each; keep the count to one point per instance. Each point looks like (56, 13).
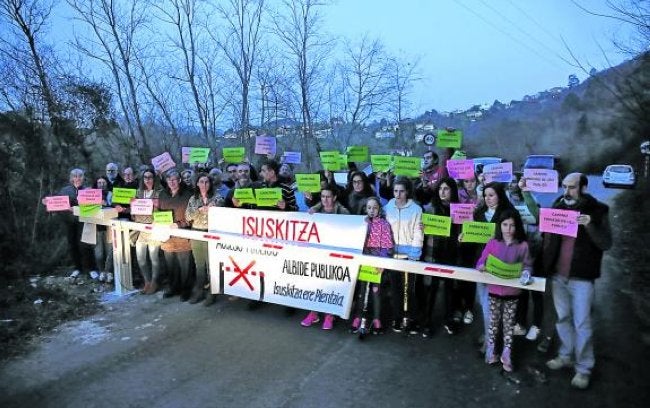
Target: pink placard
(90, 196)
(185, 154)
(141, 206)
(541, 180)
(163, 162)
(265, 145)
(563, 222)
(461, 212)
(461, 169)
(57, 203)
(499, 172)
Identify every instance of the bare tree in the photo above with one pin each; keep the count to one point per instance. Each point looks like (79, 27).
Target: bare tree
(298, 25)
(631, 13)
(239, 40)
(365, 87)
(402, 76)
(27, 23)
(183, 16)
(115, 44)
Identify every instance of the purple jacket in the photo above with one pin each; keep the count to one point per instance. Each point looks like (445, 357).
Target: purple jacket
(380, 237)
(513, 253)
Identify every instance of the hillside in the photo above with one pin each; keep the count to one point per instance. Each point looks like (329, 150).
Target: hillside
(601, 120)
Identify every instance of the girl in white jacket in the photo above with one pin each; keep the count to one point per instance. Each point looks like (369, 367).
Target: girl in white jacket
(404, 216)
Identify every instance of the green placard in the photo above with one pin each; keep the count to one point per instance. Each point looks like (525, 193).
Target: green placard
(308, 182)
(123, 195)
(369, 274)
(234, 154)
(479, 232)
(343, 161)
(436, 225)
(357, 153)
(446, 138)
(380, 162)
(330, 160)
(163, 217)
(459, 155)
(268, 197)
(501, 269)
(407, 166)
(199, 155)
(89, 210)
(245, 195)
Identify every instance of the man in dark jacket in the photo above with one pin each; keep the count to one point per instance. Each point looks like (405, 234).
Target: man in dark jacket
(574, 264)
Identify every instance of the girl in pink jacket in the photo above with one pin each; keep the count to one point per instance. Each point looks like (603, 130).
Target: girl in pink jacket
(508, 245)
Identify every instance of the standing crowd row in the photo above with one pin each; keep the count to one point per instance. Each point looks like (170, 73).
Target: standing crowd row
(393, 207)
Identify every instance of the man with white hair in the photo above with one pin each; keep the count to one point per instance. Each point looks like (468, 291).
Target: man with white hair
(574, 264)
(113, 176)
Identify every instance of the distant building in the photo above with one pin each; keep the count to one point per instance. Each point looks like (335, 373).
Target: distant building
(382, 134)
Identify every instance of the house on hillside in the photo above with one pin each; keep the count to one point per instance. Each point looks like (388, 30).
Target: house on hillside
(384, 134)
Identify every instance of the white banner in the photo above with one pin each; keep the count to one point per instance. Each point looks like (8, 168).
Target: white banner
(340, 231)
(304, 277)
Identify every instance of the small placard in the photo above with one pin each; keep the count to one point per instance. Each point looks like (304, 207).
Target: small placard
(499, 172)
(461, 169)
(541, 180)
(245, 195)
(57, 203)
(123, 195)
(501, 269)
(308, 182)
(461, 213)
(89, 210)
(141, 206)
(292, 157)
(381, 162)
(436, 225)
(268, 197)
(556, 221)
(234, 154)
(407, 166)
(163, 217)
(479, 232)
(357, 153)
(369, 274)
(330, 160)
(89, 196)
(449, 138)
(265, 145)
(163, 162)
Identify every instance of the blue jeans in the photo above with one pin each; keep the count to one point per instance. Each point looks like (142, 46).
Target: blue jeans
(150, 268)
(573, 299)
(484, 301)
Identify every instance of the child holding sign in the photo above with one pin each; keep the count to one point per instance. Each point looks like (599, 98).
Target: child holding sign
(510, 247)
(379, 242)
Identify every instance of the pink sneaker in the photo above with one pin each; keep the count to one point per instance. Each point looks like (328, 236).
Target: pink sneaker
(311, 318)
(328, 323)
(376, 326)
(356, 322)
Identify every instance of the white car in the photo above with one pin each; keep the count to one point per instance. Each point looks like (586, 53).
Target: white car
(619, 175)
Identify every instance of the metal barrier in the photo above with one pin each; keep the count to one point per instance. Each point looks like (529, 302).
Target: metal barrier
(121, 231)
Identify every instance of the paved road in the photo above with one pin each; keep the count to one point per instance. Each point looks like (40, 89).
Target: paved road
(148, 351)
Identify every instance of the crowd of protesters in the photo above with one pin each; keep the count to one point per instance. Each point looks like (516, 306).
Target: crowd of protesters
(393, 207)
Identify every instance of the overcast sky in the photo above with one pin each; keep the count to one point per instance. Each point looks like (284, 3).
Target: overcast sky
(476, 51)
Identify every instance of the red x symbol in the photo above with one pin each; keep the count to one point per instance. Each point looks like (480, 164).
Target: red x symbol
(241, 274)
